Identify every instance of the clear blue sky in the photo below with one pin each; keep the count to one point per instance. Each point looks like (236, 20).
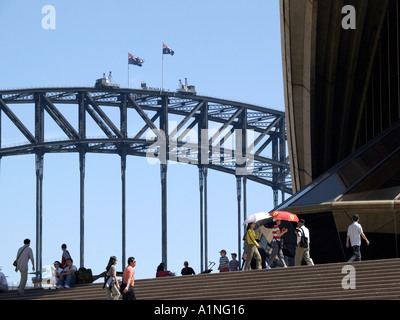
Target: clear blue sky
(226, 48)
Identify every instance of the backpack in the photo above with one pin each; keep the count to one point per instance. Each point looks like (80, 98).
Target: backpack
(84, 275)
(303, 240)
(108, 282)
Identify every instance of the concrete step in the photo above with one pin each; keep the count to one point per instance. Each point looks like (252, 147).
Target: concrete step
(377, 279)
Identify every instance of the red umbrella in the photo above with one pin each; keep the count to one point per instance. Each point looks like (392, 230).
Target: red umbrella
(284, 215)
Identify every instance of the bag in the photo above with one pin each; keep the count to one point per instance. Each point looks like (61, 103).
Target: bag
(84, 276)
(15, 263)
(303, 240)
(122, 288)
(108, 282)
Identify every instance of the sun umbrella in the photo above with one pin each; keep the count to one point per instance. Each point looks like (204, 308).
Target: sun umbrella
(259, 218)
(284, 215)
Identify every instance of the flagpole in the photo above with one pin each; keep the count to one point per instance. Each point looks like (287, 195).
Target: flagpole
(128, 73)
(162, 70)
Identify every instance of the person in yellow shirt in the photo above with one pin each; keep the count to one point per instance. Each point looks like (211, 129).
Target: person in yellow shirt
(252, 247)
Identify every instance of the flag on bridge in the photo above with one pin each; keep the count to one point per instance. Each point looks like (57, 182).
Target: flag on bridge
(134, 60)
(167, 50)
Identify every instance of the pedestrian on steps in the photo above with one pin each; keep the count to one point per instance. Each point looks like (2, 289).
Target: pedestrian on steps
(223, 261)
(302, 252)
(24, 254)
(111, 284)
(128, 281)
(277, 244)
(252, 247)
(354, 232)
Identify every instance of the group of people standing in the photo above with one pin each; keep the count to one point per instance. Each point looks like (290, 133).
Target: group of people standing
(65, 270)
(253, 246)
(354, 234)
(355, 231)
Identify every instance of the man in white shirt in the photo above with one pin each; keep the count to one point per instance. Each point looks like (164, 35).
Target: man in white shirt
(302, 252)
(67, 276)
(353, 234)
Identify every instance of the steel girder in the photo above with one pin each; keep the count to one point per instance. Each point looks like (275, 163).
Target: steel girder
(227, 123)
(237, 138)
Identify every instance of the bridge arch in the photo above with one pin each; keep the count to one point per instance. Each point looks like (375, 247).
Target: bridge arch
(241, 139)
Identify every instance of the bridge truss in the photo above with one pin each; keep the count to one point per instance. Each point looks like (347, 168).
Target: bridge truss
(244, 140)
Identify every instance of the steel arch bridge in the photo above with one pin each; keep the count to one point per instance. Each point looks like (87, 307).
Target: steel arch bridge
(244, 140)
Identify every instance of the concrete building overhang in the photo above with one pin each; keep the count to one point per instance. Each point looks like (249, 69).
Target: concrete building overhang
(342, 100)
(327, 71)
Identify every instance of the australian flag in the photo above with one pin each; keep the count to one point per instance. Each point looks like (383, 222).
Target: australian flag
(167, 50)
(134, 60)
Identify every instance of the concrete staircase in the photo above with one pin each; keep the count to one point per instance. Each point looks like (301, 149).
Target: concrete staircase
(378, 279)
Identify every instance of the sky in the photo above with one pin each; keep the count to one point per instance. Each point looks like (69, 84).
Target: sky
(228, 49)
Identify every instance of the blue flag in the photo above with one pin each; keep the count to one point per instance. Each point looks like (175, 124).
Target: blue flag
(134, 60)
(167, 50)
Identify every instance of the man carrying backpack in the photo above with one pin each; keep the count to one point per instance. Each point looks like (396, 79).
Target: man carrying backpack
(303, 244)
